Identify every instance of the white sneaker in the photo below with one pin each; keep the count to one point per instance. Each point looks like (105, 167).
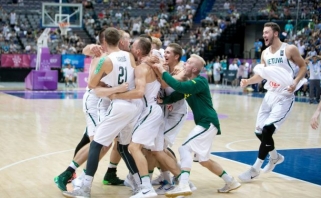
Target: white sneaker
(165, 187)
(249, 175)
(232, 185)
(158, 180)
(180, 190)
(192, 186)
(83, 192)
(145, 192)
(272, 163)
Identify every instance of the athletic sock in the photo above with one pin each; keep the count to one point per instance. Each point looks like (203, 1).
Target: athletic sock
(257, 165)
(226, 177)
(273, 154)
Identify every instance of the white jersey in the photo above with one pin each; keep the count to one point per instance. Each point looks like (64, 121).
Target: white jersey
(122, 70)
(278, 59)
(179, 107)
(151, 92)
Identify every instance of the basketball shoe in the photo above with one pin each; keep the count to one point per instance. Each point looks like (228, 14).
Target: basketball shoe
(145, 191)
(249, 175)
(112, 179)
(232, 185)
(272, 163)
(83, 192)
(180, 190)
(62, 180)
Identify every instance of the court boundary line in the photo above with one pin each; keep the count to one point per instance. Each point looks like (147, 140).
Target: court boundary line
(282, 175)
(32, 158)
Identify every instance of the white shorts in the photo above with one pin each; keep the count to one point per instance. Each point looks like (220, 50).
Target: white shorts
(120, 113)
(102, 107)
(173, 125)
(217, 77)
(148, 126)
(274, 109)
(200, 141)
(90, 109)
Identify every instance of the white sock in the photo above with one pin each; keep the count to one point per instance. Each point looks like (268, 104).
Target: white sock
(112, 165)
(273, 154)
(88, 180)
(146, 181)
(73, 165)
(184, 177)
(137, 179)
(257, 165)
(226, 177)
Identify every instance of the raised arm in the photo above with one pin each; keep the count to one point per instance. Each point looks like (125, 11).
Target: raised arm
(93, 50)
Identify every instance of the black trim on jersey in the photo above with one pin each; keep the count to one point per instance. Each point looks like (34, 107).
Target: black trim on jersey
(92, 119)
(290, 66)
(145, 101)
(111, 108)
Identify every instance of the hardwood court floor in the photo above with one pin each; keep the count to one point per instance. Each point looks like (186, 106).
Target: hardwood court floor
(38, 137)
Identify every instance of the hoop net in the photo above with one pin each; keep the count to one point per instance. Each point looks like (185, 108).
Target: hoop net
(63, 26)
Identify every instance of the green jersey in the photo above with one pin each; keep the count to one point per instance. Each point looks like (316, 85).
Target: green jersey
(198, 96)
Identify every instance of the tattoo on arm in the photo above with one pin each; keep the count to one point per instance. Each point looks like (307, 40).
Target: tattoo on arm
(100, 64)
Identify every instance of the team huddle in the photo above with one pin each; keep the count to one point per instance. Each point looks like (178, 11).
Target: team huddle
(137, 101)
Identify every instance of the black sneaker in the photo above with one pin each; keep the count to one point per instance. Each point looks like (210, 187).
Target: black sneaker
(112, 179)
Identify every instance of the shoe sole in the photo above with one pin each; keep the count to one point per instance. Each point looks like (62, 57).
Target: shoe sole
(230, 189)
(179, 194)
(105, 182)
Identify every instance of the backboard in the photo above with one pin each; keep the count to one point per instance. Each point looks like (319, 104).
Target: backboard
(55, 13)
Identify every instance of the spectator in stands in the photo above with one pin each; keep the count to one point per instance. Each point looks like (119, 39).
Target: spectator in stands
(289, 28)
(257, 47)
(69, 75)
(209, 71)
(13, 19)
(217, 71)
(314, 68)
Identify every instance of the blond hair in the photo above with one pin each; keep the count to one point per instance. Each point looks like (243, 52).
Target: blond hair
(157, 42)
(199, 58)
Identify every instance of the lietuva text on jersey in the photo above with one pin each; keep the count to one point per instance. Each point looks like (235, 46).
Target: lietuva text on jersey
(272, 61)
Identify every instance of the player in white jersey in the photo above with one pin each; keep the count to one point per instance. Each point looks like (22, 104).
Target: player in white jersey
(150, 121)
(81, 152)
(277, 102)
(174, 118)
(119, 66)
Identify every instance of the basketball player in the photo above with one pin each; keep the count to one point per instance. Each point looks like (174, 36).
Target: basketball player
(81, 154)
(150, 121)
(277, 102)
(197, 93)
(175, 116)
(315, 118)
(119, 66)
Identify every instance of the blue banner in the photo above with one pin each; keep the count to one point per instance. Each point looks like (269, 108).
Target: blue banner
(76, 60)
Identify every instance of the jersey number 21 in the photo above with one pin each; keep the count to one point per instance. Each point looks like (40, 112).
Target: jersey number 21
(122, 77)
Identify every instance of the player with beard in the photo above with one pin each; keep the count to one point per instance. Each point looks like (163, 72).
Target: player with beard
(278, 101)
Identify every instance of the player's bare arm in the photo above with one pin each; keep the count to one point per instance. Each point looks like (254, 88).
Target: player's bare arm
(107, 91)
(99, 67)
(141, 72)
(93, 50)
(293, 54)
(255, 78)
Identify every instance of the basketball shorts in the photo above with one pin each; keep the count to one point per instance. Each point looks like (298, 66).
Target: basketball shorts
(148, 126)
(274, 109)
(120, 113)
(200, 141)
(102, 107)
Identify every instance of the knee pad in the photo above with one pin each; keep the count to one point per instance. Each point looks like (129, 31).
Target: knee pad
(267, 134)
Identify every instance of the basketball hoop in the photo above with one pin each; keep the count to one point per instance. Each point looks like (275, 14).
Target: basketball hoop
(63, 26)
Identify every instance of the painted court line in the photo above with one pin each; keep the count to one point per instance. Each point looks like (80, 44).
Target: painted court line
(36, 157)
(279, 174)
